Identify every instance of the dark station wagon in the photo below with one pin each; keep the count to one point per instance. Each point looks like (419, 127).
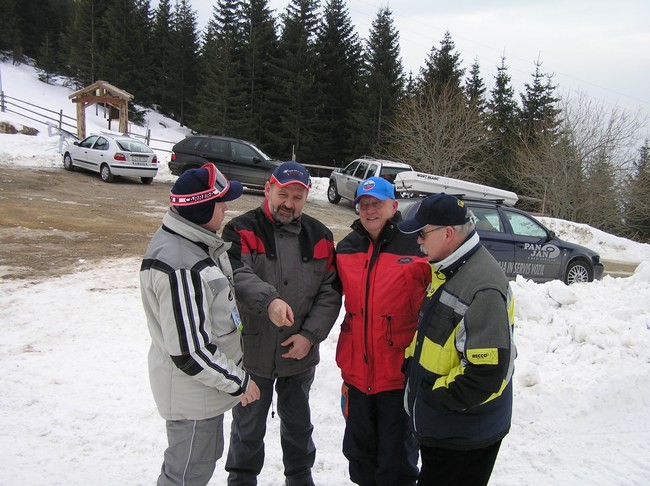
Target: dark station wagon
(524, 246)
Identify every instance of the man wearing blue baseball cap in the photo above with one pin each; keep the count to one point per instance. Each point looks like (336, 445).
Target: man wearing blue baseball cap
(460, 363)
(283, 263)
(384, 277)
(189, 301)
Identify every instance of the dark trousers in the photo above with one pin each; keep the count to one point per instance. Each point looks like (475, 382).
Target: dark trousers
(246, 452)
(378, 442)
(446, 467)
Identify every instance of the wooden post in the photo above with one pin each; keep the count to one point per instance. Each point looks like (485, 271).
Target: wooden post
(124, 117)
(81, 119)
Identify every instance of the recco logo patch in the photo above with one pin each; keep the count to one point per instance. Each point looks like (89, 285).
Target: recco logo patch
(489, 356)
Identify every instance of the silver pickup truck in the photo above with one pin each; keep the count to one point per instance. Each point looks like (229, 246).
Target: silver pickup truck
(344, 182)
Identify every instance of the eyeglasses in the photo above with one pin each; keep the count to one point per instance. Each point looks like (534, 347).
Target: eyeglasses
(423, 234)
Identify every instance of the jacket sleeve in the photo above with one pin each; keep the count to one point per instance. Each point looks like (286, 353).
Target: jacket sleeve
(327, 303)
(252, 291)
(486, 365)
(190, 306)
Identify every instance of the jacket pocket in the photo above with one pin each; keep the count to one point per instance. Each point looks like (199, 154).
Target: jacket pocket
(345, 347)
(398, 332)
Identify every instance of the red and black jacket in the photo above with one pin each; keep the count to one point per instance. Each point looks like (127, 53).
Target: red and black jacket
(383, 284)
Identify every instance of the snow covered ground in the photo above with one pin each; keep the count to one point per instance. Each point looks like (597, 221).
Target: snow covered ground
(76, 408)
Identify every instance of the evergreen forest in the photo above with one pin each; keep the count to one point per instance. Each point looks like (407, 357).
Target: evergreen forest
(303, 84)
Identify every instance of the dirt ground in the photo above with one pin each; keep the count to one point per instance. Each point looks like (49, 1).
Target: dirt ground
(53, 221)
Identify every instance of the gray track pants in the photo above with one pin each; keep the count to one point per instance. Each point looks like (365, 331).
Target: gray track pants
(194, 447)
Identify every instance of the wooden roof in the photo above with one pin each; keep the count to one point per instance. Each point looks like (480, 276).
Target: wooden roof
(104, 87)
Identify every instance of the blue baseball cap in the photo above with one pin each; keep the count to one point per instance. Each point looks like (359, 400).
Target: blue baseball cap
(438, 210)
(377, 187)
(291, 173)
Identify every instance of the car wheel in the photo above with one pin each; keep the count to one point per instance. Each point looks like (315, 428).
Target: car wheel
(578, 271)
(332, 194)
(67, 162)
(146, 180)
(106, 174)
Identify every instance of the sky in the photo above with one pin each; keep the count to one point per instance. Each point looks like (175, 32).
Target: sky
(76, 408)
(597, 48)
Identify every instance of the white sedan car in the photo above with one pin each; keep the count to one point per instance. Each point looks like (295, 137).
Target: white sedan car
(112, 156)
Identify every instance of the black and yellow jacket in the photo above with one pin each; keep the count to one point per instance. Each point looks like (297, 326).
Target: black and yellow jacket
(460, 363)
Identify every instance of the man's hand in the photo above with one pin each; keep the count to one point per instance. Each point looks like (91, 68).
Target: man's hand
(251, 394)
(299, 346)
(280, 313)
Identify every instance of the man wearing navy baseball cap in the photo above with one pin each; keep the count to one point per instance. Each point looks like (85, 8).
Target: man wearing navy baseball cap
(460, 363)
(283, 263)
(189, 301)
(384, 277)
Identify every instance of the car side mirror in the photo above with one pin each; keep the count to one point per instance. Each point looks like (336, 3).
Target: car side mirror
(256, 160)
(76, 143)
(551, 235)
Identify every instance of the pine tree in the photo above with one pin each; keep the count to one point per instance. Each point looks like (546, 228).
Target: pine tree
(442, 69)
(337, 78)
(502, 116)
(223, 88)
(9, 33)
(539, 113)
(637, 206)
(296, 86)
(385, 78)
(163, 69)
(85, 41)
(184, 57)
(261, 50)
(128, 61)
(475, 88)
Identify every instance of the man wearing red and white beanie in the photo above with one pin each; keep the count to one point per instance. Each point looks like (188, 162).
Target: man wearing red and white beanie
(195, 359)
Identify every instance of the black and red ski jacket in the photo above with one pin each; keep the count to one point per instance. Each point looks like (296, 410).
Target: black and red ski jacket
(383, 285)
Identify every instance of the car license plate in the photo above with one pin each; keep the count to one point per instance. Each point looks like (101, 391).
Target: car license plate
(139, 160)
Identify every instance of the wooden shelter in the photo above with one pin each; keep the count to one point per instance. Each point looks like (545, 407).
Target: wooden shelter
(101, 92)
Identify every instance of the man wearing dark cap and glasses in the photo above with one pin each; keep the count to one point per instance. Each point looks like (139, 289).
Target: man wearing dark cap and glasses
(195, 359)
(283, 262)
(460, 363)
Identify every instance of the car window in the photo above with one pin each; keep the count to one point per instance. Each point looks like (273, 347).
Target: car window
(524, 225)
(372, 170)
(361, 170)
(88, 141)
(101, 144)
(487, 219)
(243, 152)
(349, 170)
(194, 143)
(389, 173)
(218, 148)
(134, 146)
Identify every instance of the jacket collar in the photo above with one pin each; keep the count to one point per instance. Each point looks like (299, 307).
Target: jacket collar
(454, 261)
(387, 233)
(193, 232)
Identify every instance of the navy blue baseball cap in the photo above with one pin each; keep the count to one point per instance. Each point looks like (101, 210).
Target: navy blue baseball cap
(291, 173)
(377, 187)
(438, 210)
